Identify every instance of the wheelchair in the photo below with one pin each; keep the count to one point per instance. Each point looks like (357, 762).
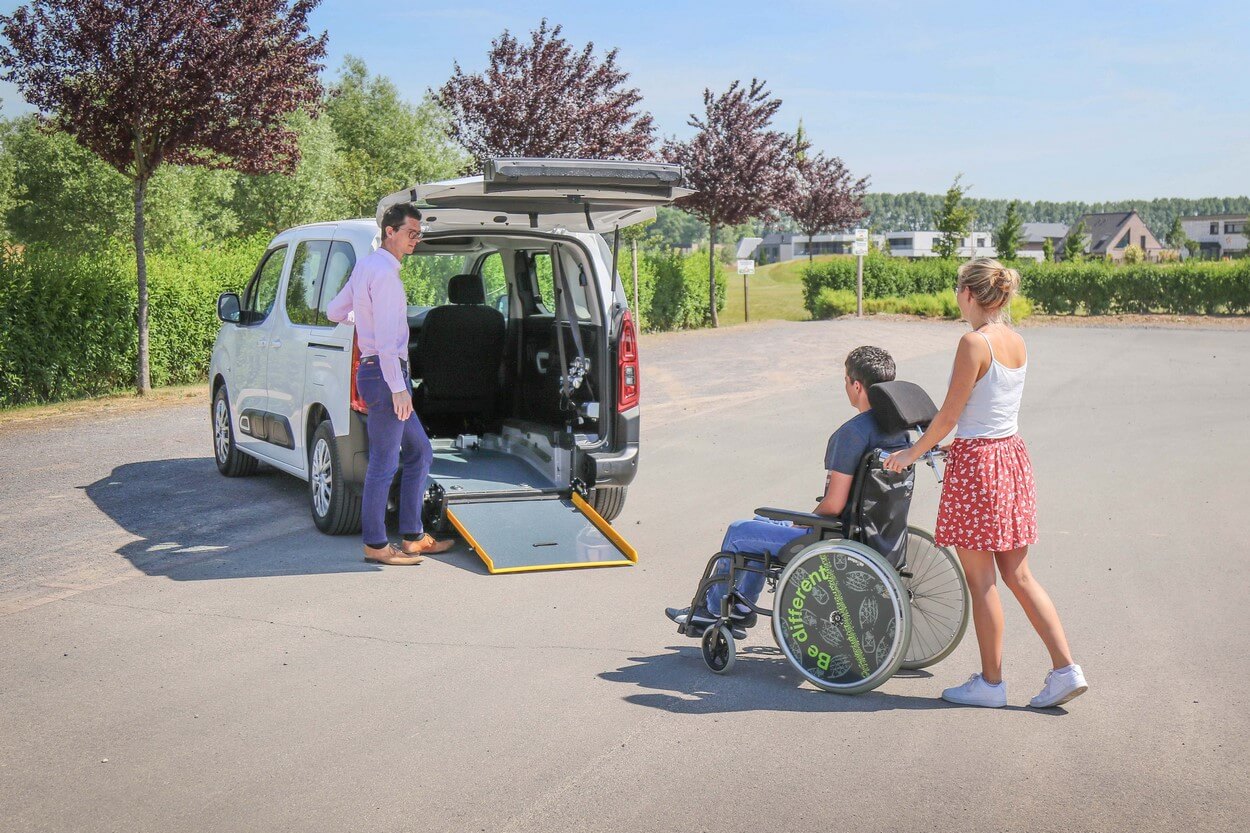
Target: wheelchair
(855, 598)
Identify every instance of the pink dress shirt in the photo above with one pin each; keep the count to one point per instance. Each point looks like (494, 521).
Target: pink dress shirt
(376, 295)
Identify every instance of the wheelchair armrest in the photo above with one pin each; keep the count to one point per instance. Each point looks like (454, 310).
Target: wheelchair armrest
(801, 518)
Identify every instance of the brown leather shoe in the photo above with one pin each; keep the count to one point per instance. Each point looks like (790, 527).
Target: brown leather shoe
(391, 554)
(427, 543)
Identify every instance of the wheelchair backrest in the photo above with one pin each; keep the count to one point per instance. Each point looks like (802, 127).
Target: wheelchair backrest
(881, 499)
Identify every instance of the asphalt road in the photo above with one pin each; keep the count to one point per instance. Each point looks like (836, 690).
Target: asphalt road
(181, 651)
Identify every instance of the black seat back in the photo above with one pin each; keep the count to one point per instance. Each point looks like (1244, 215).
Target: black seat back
(461, 352)
(880, 499)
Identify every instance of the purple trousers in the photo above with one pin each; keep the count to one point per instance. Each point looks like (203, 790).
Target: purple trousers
(391, 443)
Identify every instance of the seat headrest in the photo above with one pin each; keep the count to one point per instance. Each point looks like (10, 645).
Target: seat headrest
(466, 289)
(900, 406)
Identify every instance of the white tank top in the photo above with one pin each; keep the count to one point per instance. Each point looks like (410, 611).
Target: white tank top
(994, 406)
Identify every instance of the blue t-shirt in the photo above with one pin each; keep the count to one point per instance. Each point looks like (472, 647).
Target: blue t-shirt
(858, 435)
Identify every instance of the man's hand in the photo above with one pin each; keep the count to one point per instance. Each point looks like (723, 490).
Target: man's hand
(403, 404)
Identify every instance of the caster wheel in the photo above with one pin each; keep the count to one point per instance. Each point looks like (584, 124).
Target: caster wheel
(718, 649)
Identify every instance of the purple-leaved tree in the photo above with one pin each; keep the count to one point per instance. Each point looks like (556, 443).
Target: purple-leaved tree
(822, 196)
(145, 82)
(738, 166)
(546, 99)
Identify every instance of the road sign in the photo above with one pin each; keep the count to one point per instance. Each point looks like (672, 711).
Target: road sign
(746, 267)
(747, 246)
(860, 246)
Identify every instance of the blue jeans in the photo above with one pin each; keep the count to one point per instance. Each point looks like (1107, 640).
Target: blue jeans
(755, 536)
(391, 442)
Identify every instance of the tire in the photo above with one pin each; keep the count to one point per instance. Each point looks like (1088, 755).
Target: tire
(719, 650)
(841, 616)
(939, 598)
(335, 506)
(608, 501)
(231, 460)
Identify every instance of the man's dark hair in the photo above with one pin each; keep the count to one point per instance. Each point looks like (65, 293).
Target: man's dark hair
(395, 216)
(869, 365)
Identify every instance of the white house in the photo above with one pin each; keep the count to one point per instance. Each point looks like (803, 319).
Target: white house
(1217, 235)
(779, 246)
(920, 244)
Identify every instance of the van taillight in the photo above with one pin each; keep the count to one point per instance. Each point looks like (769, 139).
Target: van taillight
(627, 366)
(358, 404)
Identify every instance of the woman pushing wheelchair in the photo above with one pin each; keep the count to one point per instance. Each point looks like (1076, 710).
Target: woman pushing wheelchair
(988, 505)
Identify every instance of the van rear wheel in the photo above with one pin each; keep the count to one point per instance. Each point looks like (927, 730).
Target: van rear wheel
(608, 501)
(335, 506)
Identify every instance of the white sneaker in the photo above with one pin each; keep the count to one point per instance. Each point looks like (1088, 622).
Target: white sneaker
(1062, 684)
(977, 692)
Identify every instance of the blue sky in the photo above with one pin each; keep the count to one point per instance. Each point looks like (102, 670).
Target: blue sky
(1068, 100)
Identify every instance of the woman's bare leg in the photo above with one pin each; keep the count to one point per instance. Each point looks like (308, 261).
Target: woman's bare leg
(987, 610)
(1036, 603)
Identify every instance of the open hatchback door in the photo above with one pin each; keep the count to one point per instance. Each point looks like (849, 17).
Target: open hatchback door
(583, 195)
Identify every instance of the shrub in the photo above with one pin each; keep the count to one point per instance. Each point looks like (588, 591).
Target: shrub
(677, 290)
(67, 320)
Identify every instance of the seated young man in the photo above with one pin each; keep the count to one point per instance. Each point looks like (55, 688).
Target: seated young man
(865, 367)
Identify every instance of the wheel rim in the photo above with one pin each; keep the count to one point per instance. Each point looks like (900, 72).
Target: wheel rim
(221, 430)
(939, 603)
(846, 631)
(322, 479)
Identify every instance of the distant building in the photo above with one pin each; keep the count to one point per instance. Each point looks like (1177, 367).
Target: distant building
(1033, 237)
(920, 244)
(1113, 232)
(1217, 235)
(779, 246)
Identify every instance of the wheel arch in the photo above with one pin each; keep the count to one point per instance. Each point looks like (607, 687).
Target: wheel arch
(317, 414)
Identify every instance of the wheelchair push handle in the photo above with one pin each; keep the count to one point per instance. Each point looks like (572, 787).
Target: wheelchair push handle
(930, 457)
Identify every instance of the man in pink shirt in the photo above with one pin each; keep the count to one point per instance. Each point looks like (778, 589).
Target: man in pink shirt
(374, 298)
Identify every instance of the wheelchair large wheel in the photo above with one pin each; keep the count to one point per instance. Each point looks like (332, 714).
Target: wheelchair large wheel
(841, 616)
(939, 600)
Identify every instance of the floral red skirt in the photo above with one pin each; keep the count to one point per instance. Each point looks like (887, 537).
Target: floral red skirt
(989, 502)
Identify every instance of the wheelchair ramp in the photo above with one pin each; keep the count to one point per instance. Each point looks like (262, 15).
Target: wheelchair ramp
(548, 533)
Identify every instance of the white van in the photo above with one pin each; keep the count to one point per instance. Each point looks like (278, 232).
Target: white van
(523, 354)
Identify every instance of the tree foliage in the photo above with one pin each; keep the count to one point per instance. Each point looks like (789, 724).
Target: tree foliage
(384, 142)
(1007, 236)
(1048, 250)
(822, 196)
(145, 82)
(1176, 236)
(738, 166)
(1075, 243)
(953, 220)
(547, 98)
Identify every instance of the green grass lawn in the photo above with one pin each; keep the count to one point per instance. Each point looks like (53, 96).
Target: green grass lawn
(776, 292)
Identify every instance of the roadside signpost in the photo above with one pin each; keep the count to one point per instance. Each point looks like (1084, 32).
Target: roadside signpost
(746, 266)
(859, 248)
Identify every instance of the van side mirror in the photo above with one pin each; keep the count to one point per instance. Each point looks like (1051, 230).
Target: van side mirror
(228, 308)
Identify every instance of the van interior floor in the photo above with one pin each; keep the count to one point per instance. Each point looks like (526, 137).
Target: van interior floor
(530, 525)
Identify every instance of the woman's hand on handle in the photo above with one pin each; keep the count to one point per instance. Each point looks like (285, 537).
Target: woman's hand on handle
(900, 460)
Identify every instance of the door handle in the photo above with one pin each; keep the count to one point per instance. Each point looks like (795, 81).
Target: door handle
(264, 342)
(276, 343)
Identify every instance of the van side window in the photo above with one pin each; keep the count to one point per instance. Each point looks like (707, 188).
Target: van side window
(541, 269)
(261, 293)
(493, 280)
(304, 287)
(339, 268)
(577, 283)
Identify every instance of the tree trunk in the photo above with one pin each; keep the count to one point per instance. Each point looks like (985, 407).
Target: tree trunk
(143, 381)
(809, 250)
(711, 273)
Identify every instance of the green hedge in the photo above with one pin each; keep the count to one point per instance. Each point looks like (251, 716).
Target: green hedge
(672, 289)
(67, 320)
(1096, 288)
(831, 303)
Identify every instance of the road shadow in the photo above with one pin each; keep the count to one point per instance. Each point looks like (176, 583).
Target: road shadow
(762, 680)
(193, 524)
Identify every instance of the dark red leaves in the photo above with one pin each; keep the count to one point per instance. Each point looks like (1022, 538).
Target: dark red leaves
(141, 82)
(822, 196)
(546, 99)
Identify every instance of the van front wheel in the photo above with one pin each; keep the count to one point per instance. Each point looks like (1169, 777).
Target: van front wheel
(608, 501)
(335, 506)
